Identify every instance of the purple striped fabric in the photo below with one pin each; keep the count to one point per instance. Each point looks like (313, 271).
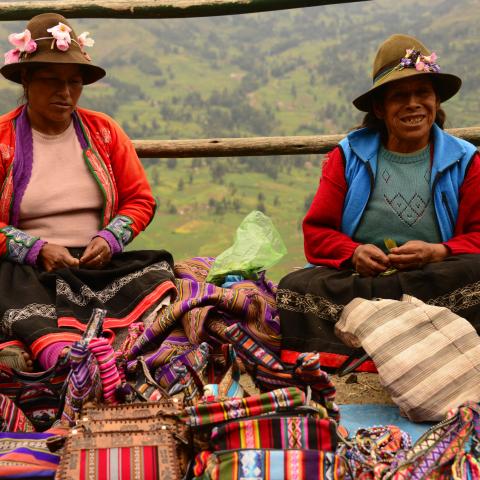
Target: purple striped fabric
(205, 311)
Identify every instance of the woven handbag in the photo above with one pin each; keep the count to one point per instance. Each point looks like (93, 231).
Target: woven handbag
(265, 464)
(137, 441)
(280, 431)
(427, 357)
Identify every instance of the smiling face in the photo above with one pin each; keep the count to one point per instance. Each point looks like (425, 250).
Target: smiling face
(409, 108)
(52, 93)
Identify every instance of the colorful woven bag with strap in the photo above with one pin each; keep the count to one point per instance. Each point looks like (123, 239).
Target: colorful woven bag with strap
(293, 464)
(37, 394)
(450, 449)
(278, 432)
(374, 451)
(93, 377)
(204, 414)
(12, 419)
(269, 372)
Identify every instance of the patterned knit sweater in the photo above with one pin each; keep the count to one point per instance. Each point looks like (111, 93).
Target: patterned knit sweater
(400, 206)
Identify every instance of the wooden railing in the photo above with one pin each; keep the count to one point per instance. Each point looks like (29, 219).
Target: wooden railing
(257, 146)
(152, 8)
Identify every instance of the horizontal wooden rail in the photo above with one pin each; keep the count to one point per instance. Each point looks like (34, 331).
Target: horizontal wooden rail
(25, 10)
(257, 146)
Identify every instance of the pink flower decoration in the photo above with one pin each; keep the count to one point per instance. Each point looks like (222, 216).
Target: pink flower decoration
(60, 32)
(23, 41)
(12, 56)
(19, 40)
(420, 66)
(63, 45)
(31, 46)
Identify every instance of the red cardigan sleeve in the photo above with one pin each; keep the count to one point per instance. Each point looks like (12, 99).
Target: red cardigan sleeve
(466, 238)
(135, 199)
(324, 243)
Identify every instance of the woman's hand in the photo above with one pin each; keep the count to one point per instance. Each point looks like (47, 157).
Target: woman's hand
(368, 260)
(416, 253)
(97, 254)
(52, 257)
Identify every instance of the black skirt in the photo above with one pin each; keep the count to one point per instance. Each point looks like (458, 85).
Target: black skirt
(311, 300)
(39, 308)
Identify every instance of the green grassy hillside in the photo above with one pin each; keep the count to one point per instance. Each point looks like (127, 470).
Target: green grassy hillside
(279, 73)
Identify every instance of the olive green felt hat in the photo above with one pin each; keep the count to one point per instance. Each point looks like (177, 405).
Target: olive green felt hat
(403, 56)
(36, 46)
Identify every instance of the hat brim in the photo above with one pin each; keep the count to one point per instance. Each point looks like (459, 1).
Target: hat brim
(446, 85)
(90, 73)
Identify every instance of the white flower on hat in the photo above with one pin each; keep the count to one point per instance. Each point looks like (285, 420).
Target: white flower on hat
(61, 33)
(84, 40)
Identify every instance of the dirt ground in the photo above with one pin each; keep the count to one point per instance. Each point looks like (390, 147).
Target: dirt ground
(353, 388)
(360, 388)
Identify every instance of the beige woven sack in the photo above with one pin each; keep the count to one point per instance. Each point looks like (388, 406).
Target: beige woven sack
(427, 357)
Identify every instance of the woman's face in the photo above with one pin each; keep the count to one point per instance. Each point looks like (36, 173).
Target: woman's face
(408, 109)
(52, 94)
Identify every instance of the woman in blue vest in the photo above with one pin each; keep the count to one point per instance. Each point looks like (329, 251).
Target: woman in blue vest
(397, 209)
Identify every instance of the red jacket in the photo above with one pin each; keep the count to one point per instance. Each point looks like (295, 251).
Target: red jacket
(128, 200)
(326, 245)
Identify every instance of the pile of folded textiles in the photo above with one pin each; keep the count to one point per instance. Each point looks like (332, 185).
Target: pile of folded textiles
(172, 390)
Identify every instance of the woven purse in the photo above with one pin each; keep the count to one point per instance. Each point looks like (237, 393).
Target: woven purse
(427, 357)
(137, 441)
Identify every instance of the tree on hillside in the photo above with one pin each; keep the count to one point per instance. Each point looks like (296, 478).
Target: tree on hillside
(172, 163)
(261, 207)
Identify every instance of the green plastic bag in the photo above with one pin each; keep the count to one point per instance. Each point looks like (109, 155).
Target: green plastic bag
(257, 246)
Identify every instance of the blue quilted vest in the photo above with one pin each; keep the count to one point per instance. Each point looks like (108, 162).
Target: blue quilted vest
(451, 158)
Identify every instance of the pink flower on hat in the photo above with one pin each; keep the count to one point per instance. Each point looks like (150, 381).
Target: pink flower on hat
(12, 56)
(420, 66)
(61, 33)
(23, 41)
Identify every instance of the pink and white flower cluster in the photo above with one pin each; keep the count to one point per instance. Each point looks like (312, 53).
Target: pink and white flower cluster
(24, 44)
(61, 34)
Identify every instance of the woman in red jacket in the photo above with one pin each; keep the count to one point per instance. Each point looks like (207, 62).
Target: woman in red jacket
(397, 210)
(73, 195)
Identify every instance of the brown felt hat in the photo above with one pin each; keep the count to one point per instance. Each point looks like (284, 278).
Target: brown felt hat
(387, 67)
(48, 52)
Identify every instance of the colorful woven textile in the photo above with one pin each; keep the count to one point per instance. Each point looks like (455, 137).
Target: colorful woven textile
(375, 451)
(36, 394)
(269, 372)
(94, 376)
(235, 408)
(448, 450)
(128, 463)
(26, 456)
(204, 311)
(12, 419)
(185, 374)
(274, 465)
(277, 432)
(227, 383)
